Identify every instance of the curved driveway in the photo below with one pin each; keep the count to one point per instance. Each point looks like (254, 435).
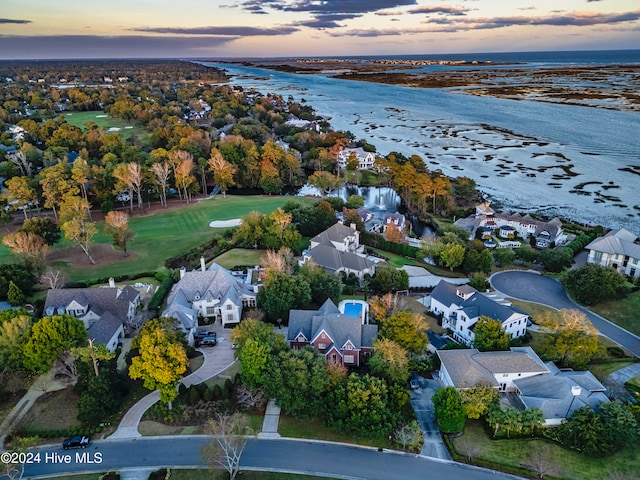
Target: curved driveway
(533, 287)
(314, 458)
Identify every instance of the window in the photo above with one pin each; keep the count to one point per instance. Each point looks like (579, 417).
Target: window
(230, 318)
(348, 359)
(322, 346)
(211, 311)
(598, 256)
(229, 306)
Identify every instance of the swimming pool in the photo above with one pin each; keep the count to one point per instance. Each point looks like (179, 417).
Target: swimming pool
(353, 309)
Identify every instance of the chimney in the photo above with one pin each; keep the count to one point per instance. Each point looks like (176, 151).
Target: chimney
(203, 266)
(112, 282)
(353, 226)
(182, 272)
(576, 390)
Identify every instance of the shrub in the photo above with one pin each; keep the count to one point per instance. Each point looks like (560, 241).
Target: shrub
(193, 396)
(217, 392)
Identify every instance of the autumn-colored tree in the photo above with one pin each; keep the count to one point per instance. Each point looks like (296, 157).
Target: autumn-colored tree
(124, 184)
(117, 224)
(440, 187)
(279, 261)
(20, 193)
(50, 337)
(76, 225)
(162, 359)
(324, 181)
(250, 232)
(184, 177)
(407, 329)
(381, 307)
(478, 399)
(393, 233)
(161, 171)
(570, 337)
(223, 171)
(56, 183)
(270, 180)
(390, 361)
(81, 174)
(31, 247)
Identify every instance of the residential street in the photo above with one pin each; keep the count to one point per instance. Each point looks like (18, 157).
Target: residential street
(533, 287)
(309, 457)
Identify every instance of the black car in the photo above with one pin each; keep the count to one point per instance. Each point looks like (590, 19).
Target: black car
(414, 383)
(203, 333)
(207, 341)
(79, 441)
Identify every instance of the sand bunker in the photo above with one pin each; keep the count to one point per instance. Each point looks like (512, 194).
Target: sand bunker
(234, 222)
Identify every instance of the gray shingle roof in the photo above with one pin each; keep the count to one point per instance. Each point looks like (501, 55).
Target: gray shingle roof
(104, 329)
(476, 305)
(335, 233)
(332, 259)
(341, 328)
(620, 241)
(100, 300)
(217, 282)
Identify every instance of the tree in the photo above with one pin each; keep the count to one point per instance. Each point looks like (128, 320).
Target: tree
(251, 231)
(533, 418)
(324, 181)
(20, 193)
(478, 399)
(389, 361)
(593, 283)
(281, 293)
(229, 441)
(543, 463)
(44, 227)
(298, 380)
(56, 183)
(504, 257)
(17, 274)
(30, 246)
(389, 280)
(162, 359)
(468, 447)
(76, 226)
(254, 363)
(184, 176)
(270, 180)
(393, 233)
(223, 171)
(570, 337)
(259, 332)
(449, 410)
(15, 295)
(408, 435)
(117, 224)
(555, 260)
(490, 335)
(161, 173)
(362, 404)
(451, 255)
(95, 353)
(323, 285)
(50, 337)
(407, 329)
(14, 335)
(14, 470)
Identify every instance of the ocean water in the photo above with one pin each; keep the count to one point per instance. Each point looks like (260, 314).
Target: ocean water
(571, 161)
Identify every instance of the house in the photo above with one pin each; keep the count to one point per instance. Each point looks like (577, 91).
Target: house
(530, 382)
(619, 249)
(342, 339)
(509, 225)
(461, 306)
(337, 250)
(397, 219)
(104, 311)
(365, 159)
(214, 294)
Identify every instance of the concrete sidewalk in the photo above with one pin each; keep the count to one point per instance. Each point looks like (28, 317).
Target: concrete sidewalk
(270, 422)
(216, 360)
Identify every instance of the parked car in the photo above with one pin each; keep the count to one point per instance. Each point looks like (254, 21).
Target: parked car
(208, 340)
(80, 441)
(414, 384)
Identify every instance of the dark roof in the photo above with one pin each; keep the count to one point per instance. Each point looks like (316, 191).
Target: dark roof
(341, 328)
(99, 300)
(104, 329)
(335, 233)
(333, 259)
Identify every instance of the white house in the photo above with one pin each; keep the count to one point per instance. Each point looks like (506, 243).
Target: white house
(508, 225)
(520, 371)
(104, 311)
(365, 159)
(461, 306)
(215, 294)
(338, 249)
(619, 249)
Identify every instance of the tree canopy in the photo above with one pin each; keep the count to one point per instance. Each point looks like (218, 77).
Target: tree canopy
(449, 410)
(490, 335)
(593, 283)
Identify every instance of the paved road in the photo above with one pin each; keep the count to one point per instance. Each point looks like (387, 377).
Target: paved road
(314, 458)
(534, 287)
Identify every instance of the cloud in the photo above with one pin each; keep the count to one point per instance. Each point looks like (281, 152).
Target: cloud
(15, 21)
(217, 31)
(326, 21)
(388, 13)
(440, 9)
(89, 46)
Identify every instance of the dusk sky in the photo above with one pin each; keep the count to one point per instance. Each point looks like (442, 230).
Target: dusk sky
(273, 28)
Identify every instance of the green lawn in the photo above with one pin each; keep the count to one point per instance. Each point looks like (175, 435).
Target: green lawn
(622, 312)
(126, 130)
(400, 261)
(239, 257)
(167, 234)
(533, 309)
(514, 452)
(316, 429)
